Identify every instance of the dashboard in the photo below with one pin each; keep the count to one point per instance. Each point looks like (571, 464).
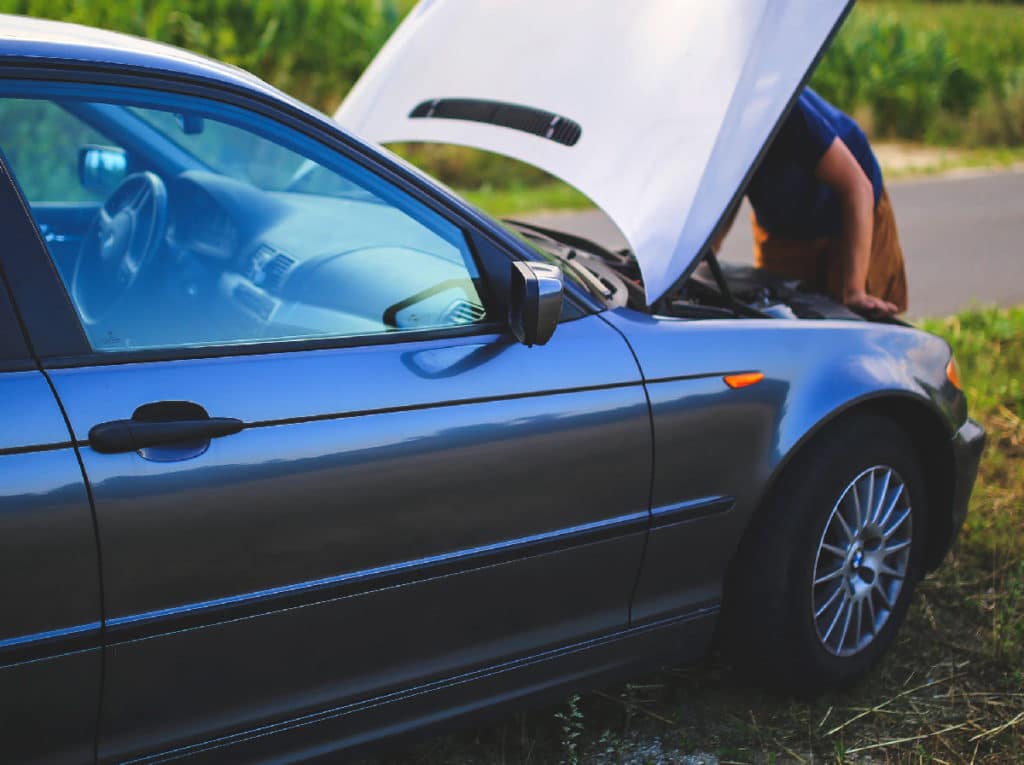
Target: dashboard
(201, 225)
(289, 265)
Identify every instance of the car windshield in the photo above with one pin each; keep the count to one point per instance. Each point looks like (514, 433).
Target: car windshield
(253, 159)
(226, 149)
(245, 156)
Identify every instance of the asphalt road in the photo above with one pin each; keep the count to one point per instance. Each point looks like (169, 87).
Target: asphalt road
(963, 239)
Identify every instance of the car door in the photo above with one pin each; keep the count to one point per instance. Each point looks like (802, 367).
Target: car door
(50, 655)
(374, 488)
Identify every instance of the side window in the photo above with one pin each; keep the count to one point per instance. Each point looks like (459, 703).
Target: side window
(41, 142)
(223, 227)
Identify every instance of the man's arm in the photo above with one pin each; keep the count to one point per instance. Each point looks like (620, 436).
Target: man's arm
(839, 169)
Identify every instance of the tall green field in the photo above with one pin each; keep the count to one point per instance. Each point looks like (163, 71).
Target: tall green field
(946, 73)
(313, 49)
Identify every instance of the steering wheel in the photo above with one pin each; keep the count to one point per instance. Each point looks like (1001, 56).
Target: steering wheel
(121, 240)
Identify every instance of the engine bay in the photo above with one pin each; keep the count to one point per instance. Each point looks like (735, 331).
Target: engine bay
(747, 292)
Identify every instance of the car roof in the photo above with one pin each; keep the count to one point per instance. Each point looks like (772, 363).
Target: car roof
(27, 39)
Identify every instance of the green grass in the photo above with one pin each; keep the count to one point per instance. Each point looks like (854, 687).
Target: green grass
(989, 345)
(951, 690)
(504, 202)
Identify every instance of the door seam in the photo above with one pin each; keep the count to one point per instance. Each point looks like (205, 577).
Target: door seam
(650, 486)
(99, 562)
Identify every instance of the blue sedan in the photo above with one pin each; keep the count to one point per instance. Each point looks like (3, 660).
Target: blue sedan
(299, 451)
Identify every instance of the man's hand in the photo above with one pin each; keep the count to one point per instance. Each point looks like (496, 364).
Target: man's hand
(869, 305)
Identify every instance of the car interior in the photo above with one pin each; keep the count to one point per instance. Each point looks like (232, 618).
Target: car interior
(178, 229)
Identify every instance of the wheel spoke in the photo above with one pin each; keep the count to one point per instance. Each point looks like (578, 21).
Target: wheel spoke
(140, 198)
(835, 619)
(871, 609)
(842, 522)
(829, 577)
(846, 623)
(882, 492)
(884, 594)
(839, 552)
(870, 478)
(888, 570)
(831, 599)
(896, 547)
(855, 491)
(892, 507)
(894, 526)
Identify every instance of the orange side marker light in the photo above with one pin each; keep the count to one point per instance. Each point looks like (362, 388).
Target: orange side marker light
(953, 374)
(744, 379)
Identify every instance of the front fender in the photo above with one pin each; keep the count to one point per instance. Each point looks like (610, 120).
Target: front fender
(713, 441)
(818, 368)
(851, 370)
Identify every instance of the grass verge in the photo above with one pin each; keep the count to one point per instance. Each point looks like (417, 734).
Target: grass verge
(907, 161)
(950, 691)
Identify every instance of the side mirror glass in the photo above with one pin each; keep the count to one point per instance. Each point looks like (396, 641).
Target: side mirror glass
(101, 168)
(535, 301)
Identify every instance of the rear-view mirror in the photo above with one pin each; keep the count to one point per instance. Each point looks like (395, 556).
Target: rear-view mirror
(101, 168)
(190, 124)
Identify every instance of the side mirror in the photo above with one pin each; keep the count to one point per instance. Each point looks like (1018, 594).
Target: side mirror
(190, 124)
(535, 301)
(101, 168)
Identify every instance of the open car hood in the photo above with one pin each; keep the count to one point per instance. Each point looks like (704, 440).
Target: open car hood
(655, 109)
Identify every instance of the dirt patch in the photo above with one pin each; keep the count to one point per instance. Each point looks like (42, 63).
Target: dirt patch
(910, 160)
(903, 158)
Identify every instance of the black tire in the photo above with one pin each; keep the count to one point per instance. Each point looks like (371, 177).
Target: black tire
(769, 624)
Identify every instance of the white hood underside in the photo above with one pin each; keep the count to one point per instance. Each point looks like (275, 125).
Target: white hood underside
(674, 99)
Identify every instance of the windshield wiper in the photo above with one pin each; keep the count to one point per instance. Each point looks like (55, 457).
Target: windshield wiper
(585, 274)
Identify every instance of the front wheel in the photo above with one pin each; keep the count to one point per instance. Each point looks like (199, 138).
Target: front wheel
(824, 576)
(862, 562)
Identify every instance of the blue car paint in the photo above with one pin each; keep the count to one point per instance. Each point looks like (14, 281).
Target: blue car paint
(814, 371)
(50, 592)
(617, 426)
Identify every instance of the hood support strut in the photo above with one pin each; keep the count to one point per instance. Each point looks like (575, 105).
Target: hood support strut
(738, 309)
(723, 285)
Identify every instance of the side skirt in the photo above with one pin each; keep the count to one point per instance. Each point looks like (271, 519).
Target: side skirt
(457, 701)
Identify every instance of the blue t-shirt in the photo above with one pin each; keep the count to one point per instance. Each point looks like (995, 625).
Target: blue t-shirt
(787, 198)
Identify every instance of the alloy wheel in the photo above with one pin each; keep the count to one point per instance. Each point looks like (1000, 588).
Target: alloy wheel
(862, 561)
